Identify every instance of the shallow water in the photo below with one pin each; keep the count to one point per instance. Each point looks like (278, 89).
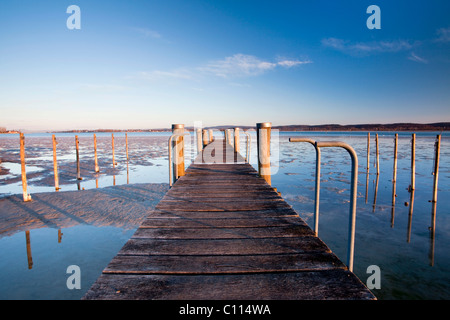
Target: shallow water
(414, 259)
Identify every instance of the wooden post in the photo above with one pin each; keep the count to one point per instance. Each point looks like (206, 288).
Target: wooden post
(237, 145)
(178, 148)
(26, 195)
(394, 175)
(437, 150)
(126, 145)
(55, 164)
(378, 153)
(97, 169)
(205, 137)
(78, 160)
(211, 135)
(113, 158)
(263, 131)
(413, 163)
(230, 142)
(199, 141)
(28, 244)
(368, 151)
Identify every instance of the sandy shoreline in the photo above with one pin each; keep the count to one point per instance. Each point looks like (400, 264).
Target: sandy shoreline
(123, 206)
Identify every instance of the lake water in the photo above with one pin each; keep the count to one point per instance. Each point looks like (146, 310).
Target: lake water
(413, 257)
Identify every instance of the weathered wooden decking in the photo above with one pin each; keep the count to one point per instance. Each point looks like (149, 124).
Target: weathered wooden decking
(222, 232)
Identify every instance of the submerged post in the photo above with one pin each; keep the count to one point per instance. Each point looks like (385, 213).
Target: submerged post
(78, 158)
(263, 131)
(413, 162)
(26, 195)
(178, 148)
(437, 150)
(95, 154)
(378, 153)
(55, 164)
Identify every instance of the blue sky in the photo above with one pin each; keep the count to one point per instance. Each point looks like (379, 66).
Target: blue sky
(148, 64)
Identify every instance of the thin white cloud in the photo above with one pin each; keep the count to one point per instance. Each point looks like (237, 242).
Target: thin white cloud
(241, 65)
(416, 58)
(443, 35)
(361, 48)
(236, 66)
(147, 33)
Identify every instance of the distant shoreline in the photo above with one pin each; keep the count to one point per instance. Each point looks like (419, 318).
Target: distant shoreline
(427, 127)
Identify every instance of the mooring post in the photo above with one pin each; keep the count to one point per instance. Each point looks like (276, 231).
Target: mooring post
(178, 148)
(55, 164)
(205, 138)
(78, 158)
(263, 131)
(126, 146)
(368, 151)
(413, 162)
(211, 135)
(26, 195)
(437, 149)
(229, 140)
(378, 153)
(199, 140)
(394, 175)
(237, 146)
(113, 158)
(95, 154)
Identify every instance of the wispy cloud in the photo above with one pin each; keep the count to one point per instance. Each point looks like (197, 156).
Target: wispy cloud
(147, 33)
(235, 66)
(443, 35)
(363, 48)
(416, 58)
(241, 65)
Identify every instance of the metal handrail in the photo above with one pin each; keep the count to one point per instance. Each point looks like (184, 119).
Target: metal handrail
(170, 155)
(353, 188)
(317, 186)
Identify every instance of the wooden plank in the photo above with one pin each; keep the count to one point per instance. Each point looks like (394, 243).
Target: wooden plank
(289, 212)
(222, 233)
(327, 284)
(123, 264)
(223, 246)
(221, 222)
(220, 206)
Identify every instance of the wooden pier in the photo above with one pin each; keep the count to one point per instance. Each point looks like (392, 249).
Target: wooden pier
(222, 232)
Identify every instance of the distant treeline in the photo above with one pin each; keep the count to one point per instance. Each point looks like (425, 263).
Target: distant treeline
(438, 126)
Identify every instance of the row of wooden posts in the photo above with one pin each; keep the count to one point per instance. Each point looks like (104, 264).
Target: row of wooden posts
(412, 186)
(205, 136)
(27, 196)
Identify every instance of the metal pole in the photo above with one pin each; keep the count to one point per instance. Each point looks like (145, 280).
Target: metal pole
(55, 164)
(353, 194)
(26, 195)
(317, 183)
(263, 131)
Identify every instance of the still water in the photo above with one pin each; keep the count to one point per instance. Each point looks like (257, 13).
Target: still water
(398, 237)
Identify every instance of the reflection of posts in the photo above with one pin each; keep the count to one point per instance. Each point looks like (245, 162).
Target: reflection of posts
(28, 243)
(26, 195)
(353, 194)
(411, 208)
(263, 131)
(317, 186)
(55, 164)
